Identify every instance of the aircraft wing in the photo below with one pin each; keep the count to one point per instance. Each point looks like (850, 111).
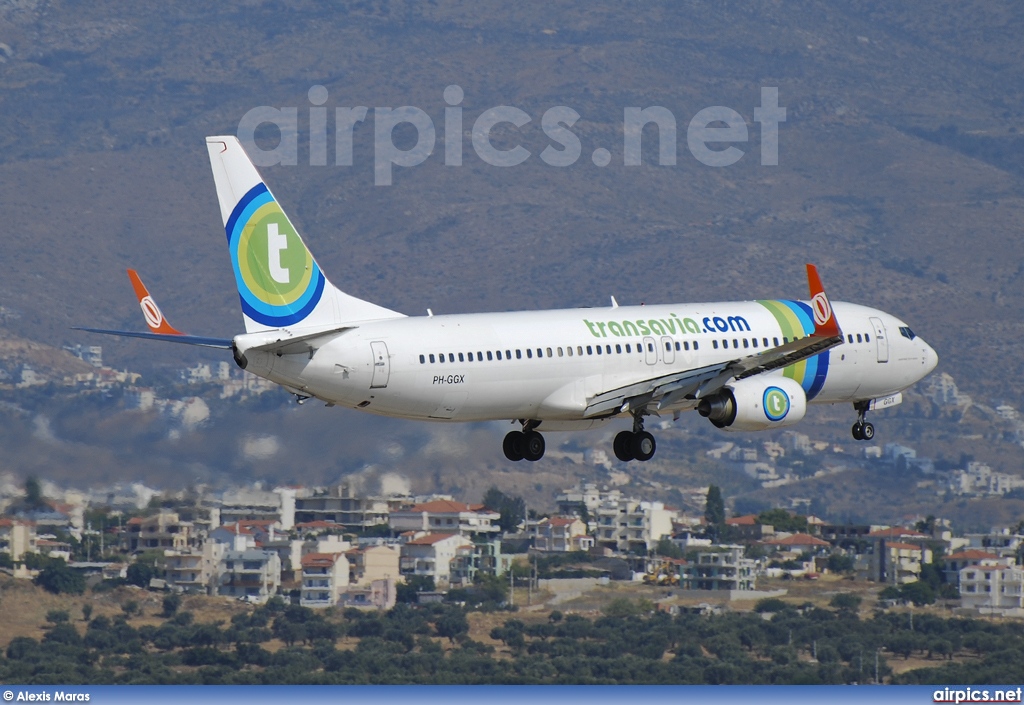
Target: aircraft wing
(667, 390)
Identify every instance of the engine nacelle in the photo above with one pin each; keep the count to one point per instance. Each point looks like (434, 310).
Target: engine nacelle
(755, 404)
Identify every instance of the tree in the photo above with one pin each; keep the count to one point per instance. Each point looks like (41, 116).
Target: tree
(714, 510)
(58, 578)
(668, 549)
(512, 509)
(845, 601)
(171, 604)
(918, 592)
(413, 585)
(130, 607)
(86, 612)
(452, 625)
(140, 574)
(57, 616)
(783, 520)
(840, 563)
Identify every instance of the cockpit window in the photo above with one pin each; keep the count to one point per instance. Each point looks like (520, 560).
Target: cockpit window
(907, 333)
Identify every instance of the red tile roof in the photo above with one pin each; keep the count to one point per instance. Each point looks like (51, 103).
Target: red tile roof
(430, 539)
(318, 524)
(972, 554)
(746, 520)
(319, 560)
(562, 521)
(799, 540)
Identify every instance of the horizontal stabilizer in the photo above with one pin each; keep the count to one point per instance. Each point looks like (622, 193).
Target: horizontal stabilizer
(165, 337)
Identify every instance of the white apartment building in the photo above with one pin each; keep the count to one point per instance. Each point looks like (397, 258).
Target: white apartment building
(339, 505)
(448, 516)
(993, 586)
(324, 578)
(250, 575)
(260, 505)
(725, 569)
(631, 525)
(432, 555)
(194, 570)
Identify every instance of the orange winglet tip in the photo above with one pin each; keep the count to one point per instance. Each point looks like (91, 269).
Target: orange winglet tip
(154, 317)
(825, 324)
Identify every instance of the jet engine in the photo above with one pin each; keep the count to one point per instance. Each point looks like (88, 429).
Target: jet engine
(755, 404)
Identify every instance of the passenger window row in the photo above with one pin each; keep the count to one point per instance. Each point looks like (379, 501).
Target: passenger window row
(861, 339)
(531, 353)
(748, 343)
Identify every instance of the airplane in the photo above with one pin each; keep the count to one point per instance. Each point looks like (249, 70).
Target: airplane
(745, 366)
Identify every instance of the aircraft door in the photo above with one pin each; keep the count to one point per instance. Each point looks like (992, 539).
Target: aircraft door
(650, 351)
(381, 365)
(880, 339)
(668, 353)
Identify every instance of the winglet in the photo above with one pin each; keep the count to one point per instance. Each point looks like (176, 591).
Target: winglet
(825, 325)
(154, 317)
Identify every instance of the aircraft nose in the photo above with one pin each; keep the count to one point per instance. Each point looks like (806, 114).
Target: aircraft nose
(931, 358)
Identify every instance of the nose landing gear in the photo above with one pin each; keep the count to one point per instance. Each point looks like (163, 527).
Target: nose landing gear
(863, 430)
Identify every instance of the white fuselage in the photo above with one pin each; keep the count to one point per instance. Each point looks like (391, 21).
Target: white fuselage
(545, 365)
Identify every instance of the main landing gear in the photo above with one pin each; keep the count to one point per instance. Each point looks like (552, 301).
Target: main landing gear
(527, 444)
(637, 444)
(862, 430)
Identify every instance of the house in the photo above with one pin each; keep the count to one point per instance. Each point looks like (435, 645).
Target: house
(277, 505)
(799, 543)
(371, 563)
(194, 570)
(561, 534)
(993, 587)
(479, 558)
(725, 569)
(448, 516)
(748, 528)
(340, 505)
(377, 594)
(250, 575)
(631, 525)
(236, 536)
(163, 531)
(431, 555)
(324, 577)
(955, 562)
(54, 549)
(17, 537)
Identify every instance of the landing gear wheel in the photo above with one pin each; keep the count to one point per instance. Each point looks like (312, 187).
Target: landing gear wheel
(867, 431)
(858, 431)
(514, 446)
(643, 446)
(623, 446)
(533, 448)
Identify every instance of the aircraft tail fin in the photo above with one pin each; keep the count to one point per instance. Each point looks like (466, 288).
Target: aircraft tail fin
(279, 282)
(154, 316)
(825, 324)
